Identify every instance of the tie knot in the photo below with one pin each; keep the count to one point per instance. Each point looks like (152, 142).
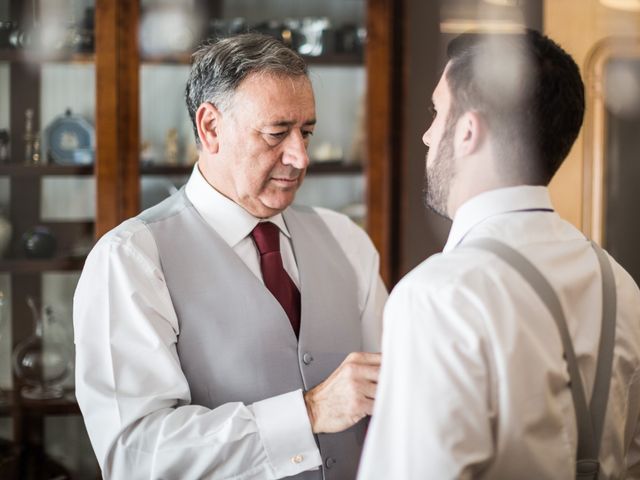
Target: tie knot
(266, 236)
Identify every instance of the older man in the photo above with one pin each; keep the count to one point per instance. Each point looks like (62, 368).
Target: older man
(222, 333)
(477, 345)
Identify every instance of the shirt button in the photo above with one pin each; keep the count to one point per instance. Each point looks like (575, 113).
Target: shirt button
(297, 459)
(307, 358)
(330, 462)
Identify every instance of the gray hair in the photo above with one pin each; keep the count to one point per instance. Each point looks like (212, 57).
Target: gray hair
(219, 67)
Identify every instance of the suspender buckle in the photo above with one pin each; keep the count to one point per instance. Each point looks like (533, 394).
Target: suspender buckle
(587, 469)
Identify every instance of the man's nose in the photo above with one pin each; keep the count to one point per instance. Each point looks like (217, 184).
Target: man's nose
(295, 151)
(426, 137)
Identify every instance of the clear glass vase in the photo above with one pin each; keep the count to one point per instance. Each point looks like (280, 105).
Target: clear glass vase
(42, 361)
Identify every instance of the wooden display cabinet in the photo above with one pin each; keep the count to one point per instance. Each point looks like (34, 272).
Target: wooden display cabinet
(117, 172)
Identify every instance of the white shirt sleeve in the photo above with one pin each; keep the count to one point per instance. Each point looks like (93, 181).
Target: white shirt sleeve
(428, 348)
(134, 396)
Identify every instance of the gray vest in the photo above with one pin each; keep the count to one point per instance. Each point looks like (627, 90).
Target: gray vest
(236, 343)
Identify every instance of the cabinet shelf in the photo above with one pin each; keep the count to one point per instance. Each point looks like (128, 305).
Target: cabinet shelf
(21, 55)
(165, 169)
(334, 168)
(17, 170)
(67, 405)
(343, 59)
(29, 265)
(315, 168)
(35, 56)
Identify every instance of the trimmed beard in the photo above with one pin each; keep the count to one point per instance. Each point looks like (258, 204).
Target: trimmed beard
(439, 175)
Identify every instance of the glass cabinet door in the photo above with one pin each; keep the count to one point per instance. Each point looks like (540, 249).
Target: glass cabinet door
(47, 216)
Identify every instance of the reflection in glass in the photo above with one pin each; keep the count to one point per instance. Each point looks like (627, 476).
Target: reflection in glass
(622, 100)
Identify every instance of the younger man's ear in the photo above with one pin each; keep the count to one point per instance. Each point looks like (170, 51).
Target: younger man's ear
(470, 133)
(208, 123)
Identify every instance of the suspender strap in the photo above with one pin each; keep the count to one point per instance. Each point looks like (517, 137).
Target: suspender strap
(589, 421)
(600, 394)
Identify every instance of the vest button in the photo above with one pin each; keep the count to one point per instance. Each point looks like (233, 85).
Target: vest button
(329, 462)
(307, 358)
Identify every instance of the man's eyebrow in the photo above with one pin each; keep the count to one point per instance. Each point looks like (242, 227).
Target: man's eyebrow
(288, 123)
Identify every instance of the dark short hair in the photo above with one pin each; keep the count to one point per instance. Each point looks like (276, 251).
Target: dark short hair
(219, 67)
(538, 125)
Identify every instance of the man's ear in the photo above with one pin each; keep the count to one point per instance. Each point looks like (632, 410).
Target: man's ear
(208, 122)
(470, 133)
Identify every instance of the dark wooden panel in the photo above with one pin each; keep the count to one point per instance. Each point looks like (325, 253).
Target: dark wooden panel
(129, 98)
(107, 142)
(383, 60)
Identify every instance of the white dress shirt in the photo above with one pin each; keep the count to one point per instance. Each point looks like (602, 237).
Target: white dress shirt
(473, 382)
(268, 439)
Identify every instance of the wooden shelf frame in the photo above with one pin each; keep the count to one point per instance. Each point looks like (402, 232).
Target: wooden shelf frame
(332, 59)
(66, 405)
(32, 265)
(16, 55)
(21, 170)
(18, 170)
(317, 168)
(29, 56)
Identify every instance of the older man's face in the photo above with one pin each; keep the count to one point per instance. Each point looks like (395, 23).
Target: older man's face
(263, 140)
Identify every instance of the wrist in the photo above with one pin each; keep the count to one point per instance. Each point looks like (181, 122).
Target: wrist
(309, 404)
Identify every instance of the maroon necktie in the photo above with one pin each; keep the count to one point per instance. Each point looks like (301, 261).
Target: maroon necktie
(266, 236)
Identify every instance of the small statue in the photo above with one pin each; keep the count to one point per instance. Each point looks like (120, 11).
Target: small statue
(31, 141)
(171, 147)
(35, 155)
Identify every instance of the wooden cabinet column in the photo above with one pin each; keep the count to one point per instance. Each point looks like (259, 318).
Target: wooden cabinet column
(117, 112)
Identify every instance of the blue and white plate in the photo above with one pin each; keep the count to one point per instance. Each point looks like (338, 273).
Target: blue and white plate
(70, 140)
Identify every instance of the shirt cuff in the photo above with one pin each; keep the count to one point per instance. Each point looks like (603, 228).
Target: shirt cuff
(286, 434)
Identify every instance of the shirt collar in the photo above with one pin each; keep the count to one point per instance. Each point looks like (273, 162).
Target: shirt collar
(232, 222)
(495, 202)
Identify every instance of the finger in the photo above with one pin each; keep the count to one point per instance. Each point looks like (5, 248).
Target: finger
(367, 358)
(369, 373)
(368, 389)
(366, 407)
